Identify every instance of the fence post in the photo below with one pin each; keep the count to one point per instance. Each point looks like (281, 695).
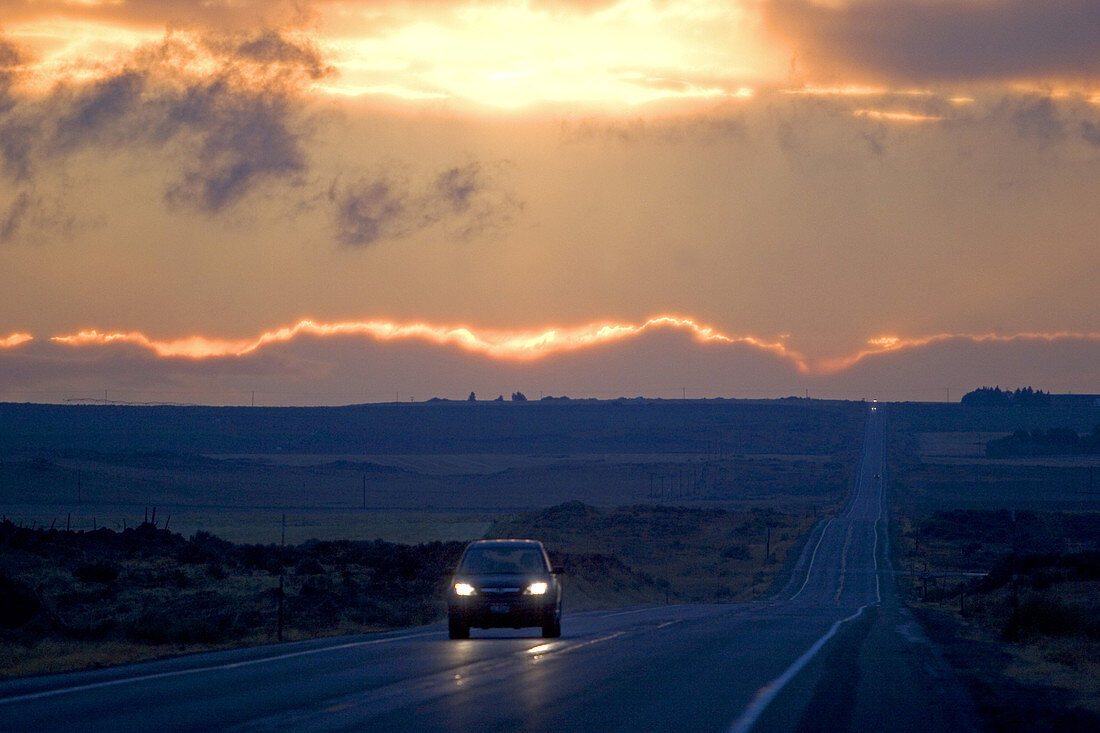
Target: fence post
(279, 630)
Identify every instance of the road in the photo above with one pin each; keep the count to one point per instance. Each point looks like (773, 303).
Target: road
(835, 650)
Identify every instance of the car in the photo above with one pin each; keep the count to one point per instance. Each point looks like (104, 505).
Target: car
(504, 584)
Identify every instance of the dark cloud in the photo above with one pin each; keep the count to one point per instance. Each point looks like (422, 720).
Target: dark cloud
(466, 199)
(368, 211)
(239, 126)
(11, 59)
(950, 40)
(246, 137)
(100, 113)
(272, 49)
(12, 218)
(704, 129)
(1038, 118)
(1090, 132)
(14, 135)
(16, 139)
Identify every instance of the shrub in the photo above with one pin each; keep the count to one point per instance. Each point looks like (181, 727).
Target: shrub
(17, 603)
(737, 552)
(1040, 615)
(97, 572)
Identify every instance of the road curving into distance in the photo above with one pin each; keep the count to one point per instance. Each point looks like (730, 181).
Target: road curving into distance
(835, 650)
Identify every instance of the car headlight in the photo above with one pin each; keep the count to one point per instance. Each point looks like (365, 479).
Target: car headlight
(464, 589)
(537, 589)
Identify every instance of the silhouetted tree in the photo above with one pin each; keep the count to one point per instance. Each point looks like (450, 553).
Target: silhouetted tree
(472, 397)
(519, 397)
(997, 396)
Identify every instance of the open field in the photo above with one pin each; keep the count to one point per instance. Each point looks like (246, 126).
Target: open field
(367, 472)
(276, 526)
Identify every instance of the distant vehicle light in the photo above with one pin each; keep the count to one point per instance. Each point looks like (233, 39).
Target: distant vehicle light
(537, 589)
(464, 589)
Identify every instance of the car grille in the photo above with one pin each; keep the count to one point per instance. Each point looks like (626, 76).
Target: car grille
(498, 592)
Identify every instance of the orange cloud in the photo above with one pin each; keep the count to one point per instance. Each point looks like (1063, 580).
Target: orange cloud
(14, 340)
(515, 345)
(883, 344)
(896, 116)
(528, 345)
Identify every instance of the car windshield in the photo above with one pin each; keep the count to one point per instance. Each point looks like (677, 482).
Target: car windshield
(503, 560)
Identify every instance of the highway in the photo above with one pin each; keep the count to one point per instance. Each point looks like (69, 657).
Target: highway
(835, 650)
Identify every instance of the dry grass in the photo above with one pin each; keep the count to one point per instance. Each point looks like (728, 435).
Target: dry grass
(692, 555)
(1029, 647)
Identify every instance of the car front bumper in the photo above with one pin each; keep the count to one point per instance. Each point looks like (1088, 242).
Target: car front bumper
(485, 613)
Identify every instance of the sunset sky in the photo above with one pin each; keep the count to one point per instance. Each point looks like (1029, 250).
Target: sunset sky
(327, 200)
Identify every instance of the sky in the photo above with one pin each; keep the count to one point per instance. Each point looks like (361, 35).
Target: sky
(334, 201)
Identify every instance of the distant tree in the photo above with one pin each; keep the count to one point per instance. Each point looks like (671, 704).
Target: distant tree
(519, 397)
(472, 397)
(1052, 441)
(995, 396)
(500, 398)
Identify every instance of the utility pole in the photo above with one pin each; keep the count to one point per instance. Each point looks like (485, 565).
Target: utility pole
(279, 631)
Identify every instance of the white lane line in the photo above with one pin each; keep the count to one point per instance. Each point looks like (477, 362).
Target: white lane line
(768, 692)
(669, 623)
(211, 668)
(590, 642)
(844, 561)
(561, 647)
(813, 557)
(640, 610)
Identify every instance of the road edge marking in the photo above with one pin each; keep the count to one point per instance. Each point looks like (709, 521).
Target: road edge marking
(767, 693)
(197, 670)
(813, 556)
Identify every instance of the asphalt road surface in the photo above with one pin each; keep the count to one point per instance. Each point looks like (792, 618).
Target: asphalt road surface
(834, 651)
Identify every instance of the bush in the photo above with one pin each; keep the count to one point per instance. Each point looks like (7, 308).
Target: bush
(737, 552)
(1040, 615)
(17, 603)
(97, 572)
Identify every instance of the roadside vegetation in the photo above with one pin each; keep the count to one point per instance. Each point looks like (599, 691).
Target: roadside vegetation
(1001, 559)
(70, 599)
(76, 599)
(682, 555)
(1025, 633)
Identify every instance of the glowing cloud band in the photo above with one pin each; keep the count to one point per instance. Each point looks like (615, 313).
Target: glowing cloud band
(15, 340)
(514, 345)
(885, 344)
(525, 345)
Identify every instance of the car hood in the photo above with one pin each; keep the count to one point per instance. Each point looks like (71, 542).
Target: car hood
(510, 580)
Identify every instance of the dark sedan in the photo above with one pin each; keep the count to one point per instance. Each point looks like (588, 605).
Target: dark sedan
(504, 583)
